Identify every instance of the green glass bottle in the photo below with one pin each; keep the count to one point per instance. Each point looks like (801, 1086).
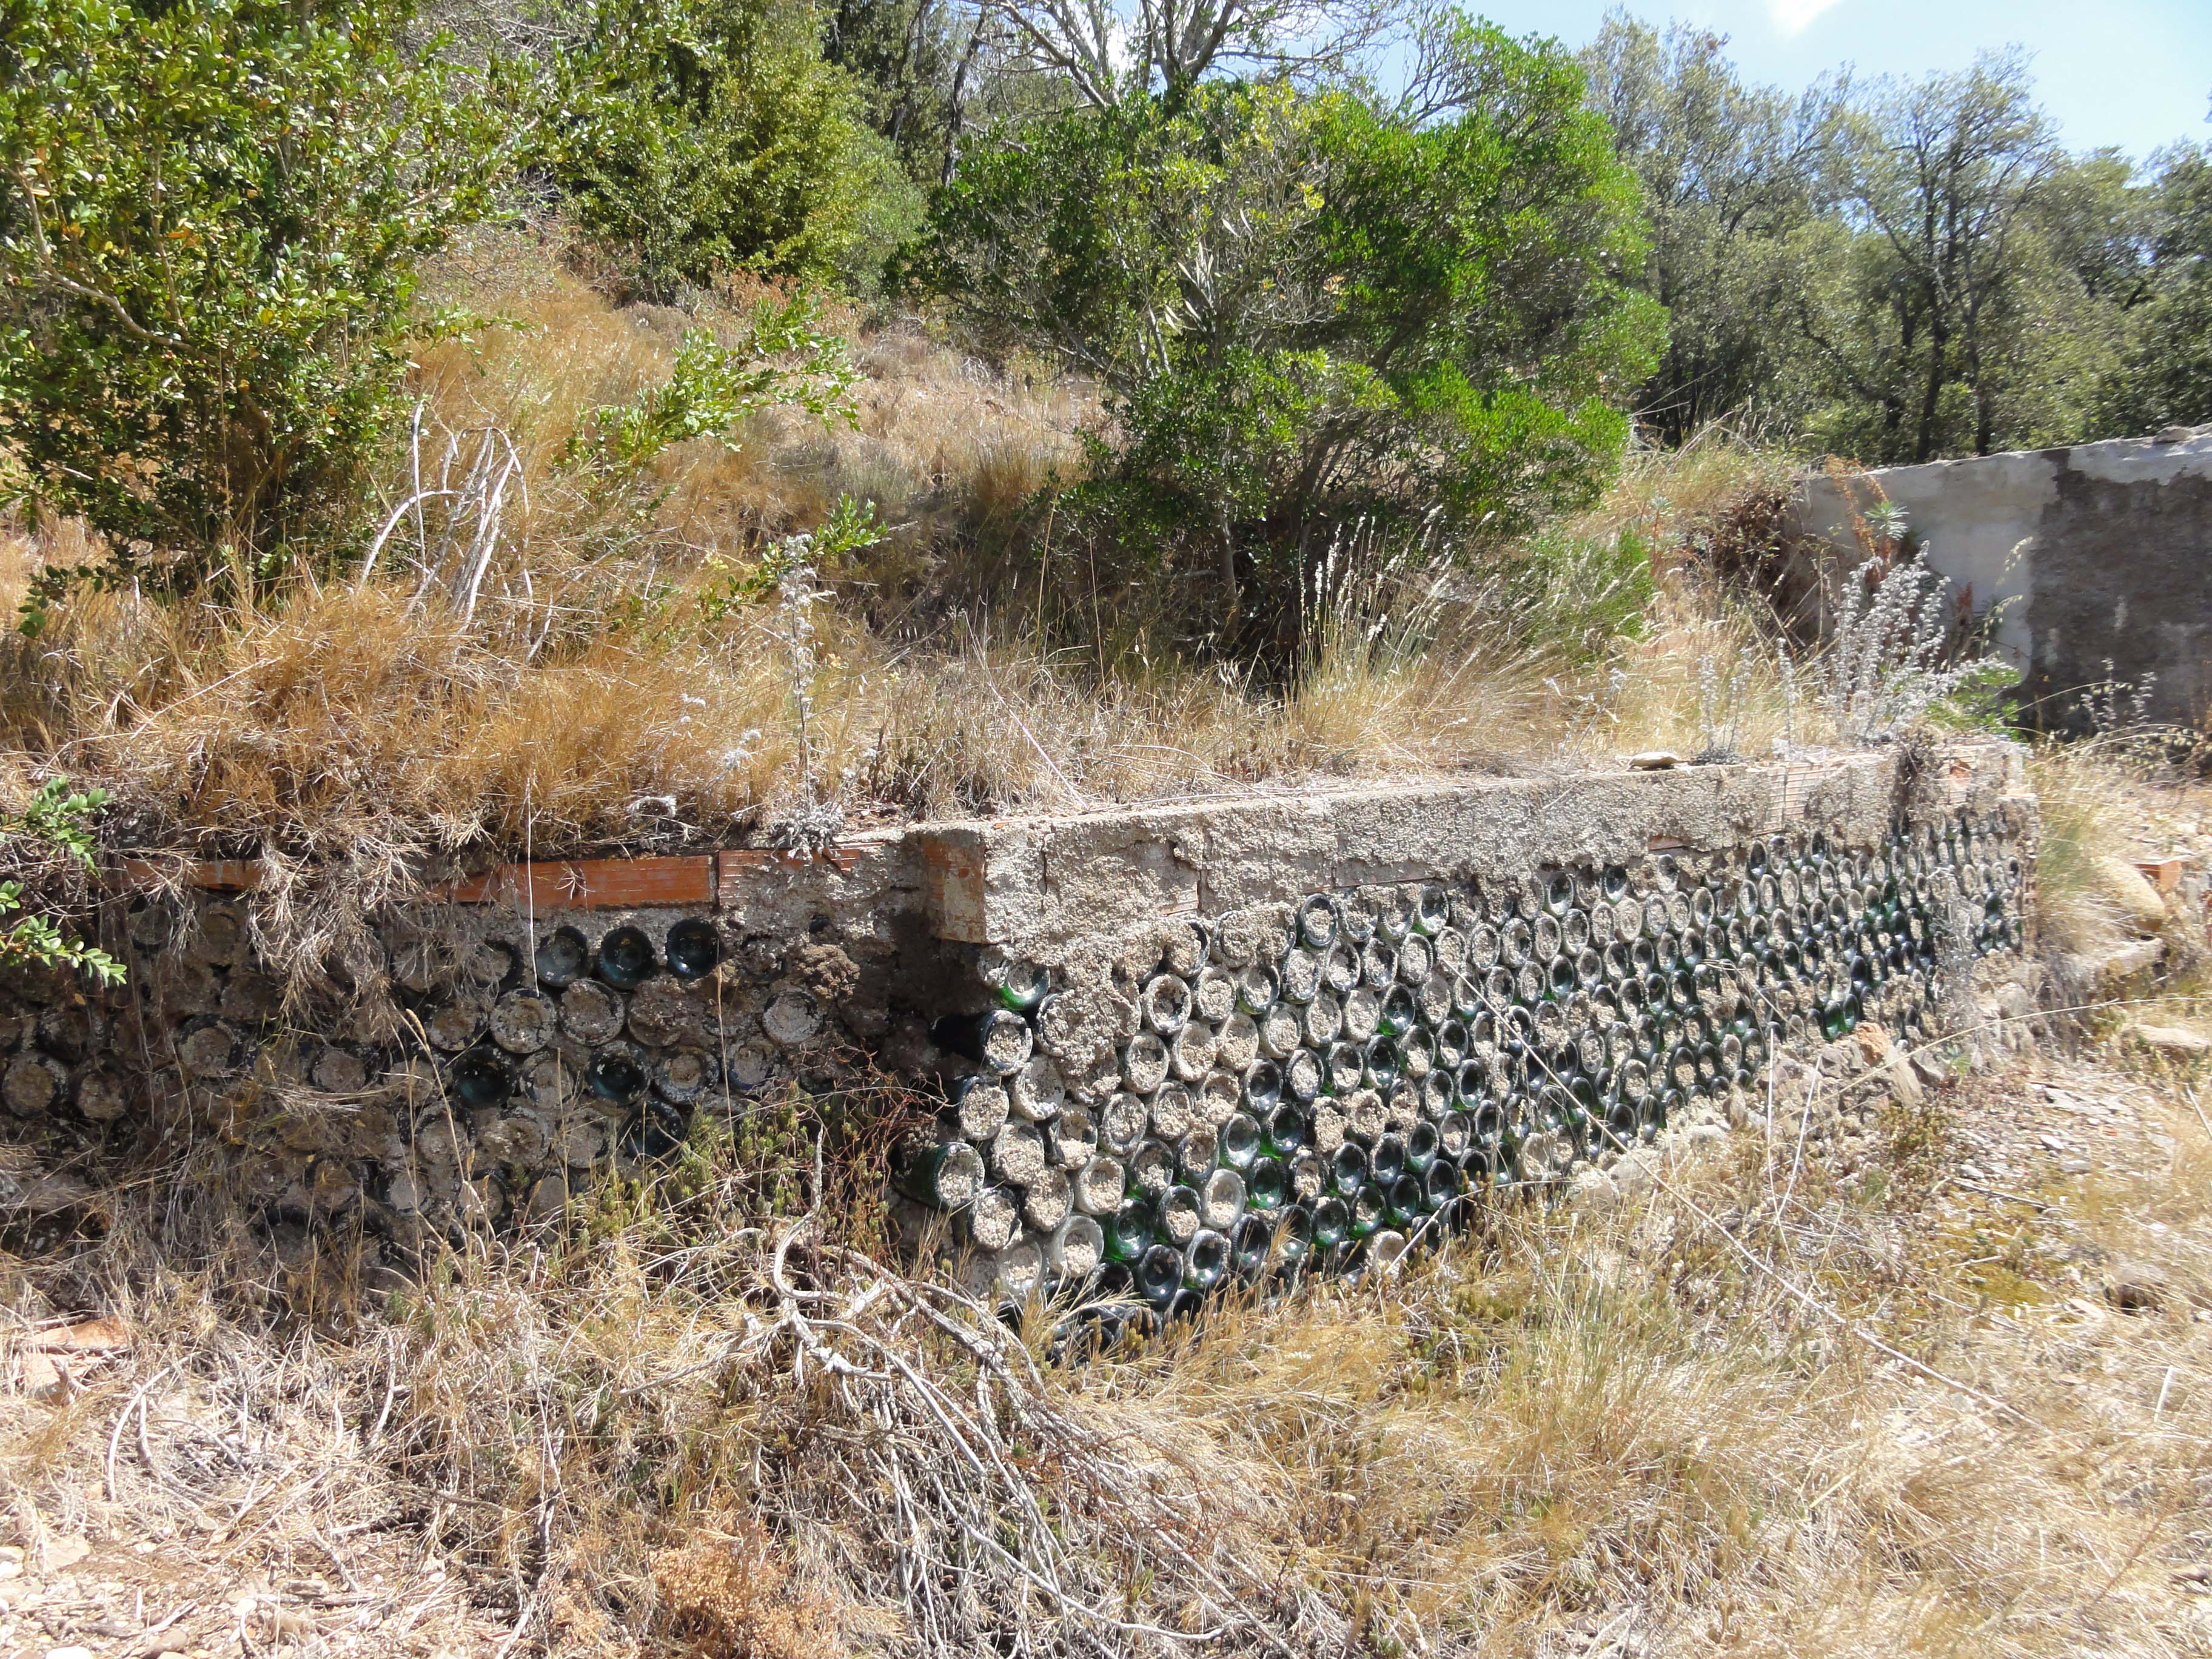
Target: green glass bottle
(1266, 1184)
(1129, 1233)
(1017, 983)
(945, 1176)
(1206, 1260)
(1367, 1206)
(1398, 1204)
(1331, 1223)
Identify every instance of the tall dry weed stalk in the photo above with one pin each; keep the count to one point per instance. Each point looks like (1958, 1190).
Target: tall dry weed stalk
(1887, 664)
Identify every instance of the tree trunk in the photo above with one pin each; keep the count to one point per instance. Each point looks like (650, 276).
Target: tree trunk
(1892, 406)
(1924, 446)
(1229, 576)
(956, 114)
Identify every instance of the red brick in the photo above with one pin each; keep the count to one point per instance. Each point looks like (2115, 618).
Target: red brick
(592, 883)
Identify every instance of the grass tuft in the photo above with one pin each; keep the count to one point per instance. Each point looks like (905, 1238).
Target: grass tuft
(694, 1426)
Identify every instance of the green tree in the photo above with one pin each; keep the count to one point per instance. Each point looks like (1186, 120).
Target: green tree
(2165, 375)
(1731, 174)
(705, 135)
(211, 214)
(1898, 272)
(1923, 335)
(1310, 310)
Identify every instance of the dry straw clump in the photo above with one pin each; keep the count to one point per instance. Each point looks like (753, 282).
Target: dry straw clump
(676, 1424)
(729, 1599)
(544, 659)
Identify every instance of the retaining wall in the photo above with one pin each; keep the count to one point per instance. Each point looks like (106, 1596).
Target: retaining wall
(1171, 1040)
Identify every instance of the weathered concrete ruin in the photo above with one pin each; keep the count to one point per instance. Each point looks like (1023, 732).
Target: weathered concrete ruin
(1164, 1046)
(2094, 562)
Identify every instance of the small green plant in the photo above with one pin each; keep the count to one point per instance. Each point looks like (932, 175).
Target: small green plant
(851, 527)
(814, 821)
(211, 214)
(55, 823)
(784, 360)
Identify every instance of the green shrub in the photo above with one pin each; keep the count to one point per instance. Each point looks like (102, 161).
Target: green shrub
(210, 219)
(704, 136)
(2165, 375)
(784, 359)
(1313, 310)
(52, 833)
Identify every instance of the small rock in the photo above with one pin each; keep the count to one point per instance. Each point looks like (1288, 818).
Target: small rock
(2073, 1166)
(1902, 1082)
(1636, 1171)
(1593, 1186)
(288, 1624)
(2013, 1002)
(61, 1554)
(39, 1376)
(69, 1653)
(1656, 760)
(2137, 899)
(1887, 1066)
(2139, 1287)
(2175, 1042)
(2117, 967)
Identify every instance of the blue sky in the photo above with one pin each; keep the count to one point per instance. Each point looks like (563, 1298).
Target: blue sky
(2134, 73)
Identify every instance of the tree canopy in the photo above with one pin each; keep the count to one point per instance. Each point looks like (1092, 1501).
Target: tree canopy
(1311, 309)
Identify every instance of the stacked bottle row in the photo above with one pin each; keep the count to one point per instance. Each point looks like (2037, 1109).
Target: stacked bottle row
(507, 1055)
(1304, 1086)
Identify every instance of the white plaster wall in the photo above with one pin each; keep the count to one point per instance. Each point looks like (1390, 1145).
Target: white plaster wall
(1981, 519)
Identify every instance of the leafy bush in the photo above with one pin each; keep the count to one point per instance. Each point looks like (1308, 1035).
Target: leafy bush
(51, 831)
(783, 361)
(699, 137)
(210, 219)
(1312, 309)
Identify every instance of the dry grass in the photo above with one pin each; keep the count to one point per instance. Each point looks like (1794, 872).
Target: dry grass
(2076, 788)
(1620, 1432)
(618, 685)
(943, 445)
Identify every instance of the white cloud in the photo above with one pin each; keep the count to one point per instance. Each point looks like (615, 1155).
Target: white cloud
(1795, 17)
